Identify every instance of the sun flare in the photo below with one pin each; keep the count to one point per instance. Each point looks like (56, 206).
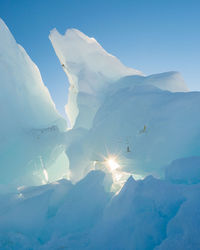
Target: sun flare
(112, 164)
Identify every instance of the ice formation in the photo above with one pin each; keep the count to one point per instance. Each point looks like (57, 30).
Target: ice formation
(30, 125)
(89, 69)
(147, 121)
(145, 214)
(122, 124)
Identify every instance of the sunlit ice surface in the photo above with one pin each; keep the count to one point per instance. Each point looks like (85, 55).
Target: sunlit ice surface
(115, 165)
(46, 175)
(112, 164)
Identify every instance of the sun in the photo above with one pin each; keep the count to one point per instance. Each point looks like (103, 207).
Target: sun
(112, 164)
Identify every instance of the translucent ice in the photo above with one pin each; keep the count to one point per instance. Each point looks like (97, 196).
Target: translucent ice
(147, 121)
(30, 125)
(123, 123)
(89, 69)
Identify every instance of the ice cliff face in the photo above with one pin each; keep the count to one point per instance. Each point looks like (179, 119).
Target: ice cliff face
(30, 125)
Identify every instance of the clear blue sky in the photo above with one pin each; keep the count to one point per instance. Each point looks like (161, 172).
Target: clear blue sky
(150, 35)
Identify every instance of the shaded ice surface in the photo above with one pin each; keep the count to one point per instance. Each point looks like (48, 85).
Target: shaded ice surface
(145, 214)
(131, 154)
(30, 134)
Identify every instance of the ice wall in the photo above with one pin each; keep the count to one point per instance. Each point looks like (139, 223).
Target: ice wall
(30, 125)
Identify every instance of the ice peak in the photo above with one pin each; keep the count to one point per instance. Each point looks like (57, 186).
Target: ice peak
(74, 33)
(89, 68)
(129, 185)
(74, 46)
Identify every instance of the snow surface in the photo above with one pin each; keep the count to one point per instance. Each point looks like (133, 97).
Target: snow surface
(122, 124)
